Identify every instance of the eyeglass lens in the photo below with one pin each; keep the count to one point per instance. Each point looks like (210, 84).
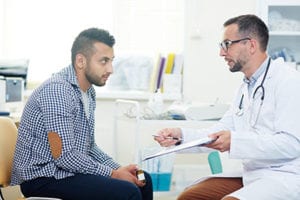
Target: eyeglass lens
(227, 43)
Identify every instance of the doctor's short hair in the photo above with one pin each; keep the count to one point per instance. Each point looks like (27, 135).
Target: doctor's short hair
(253, 27)
(84, 42)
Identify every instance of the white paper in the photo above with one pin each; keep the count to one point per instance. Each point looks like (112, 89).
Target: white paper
(194, 143)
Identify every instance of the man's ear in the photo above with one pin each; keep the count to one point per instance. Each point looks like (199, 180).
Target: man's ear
(254, 46)
(80, 61)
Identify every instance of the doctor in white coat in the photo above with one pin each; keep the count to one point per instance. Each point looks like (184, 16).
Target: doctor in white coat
(262, 127)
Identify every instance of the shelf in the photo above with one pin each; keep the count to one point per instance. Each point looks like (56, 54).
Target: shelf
(284, 33)
(133, 94)
(283, 19)
(125, 94)
(283, 2)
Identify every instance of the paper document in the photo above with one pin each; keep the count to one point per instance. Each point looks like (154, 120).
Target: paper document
(194, 143)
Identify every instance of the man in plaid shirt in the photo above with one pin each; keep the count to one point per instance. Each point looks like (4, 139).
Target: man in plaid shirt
(56, 154)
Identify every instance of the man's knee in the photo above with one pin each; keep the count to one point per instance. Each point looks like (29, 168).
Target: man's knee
(130, 191)
(229, 198)
(189, 194)
(184, 196)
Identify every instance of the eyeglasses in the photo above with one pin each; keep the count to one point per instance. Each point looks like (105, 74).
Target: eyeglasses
(227, 43)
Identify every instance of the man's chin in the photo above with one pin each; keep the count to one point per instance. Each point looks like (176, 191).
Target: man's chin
(231, 68)
(235, 69)
(100, 84)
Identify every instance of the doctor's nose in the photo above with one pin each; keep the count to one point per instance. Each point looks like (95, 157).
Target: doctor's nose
(222, 52)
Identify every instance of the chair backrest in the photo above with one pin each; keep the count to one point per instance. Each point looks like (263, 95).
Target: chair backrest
(215, 163)
(8, 137)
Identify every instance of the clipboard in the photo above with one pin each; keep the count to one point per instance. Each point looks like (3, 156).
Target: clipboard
(194, 143)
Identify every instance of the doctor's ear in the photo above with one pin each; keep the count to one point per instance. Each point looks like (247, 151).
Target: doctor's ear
(254, 46)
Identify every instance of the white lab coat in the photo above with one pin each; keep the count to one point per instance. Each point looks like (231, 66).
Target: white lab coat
(269, 150)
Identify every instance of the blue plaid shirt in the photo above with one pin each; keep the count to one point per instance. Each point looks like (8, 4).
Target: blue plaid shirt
(57, 106)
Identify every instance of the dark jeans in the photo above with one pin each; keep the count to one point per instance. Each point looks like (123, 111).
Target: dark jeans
(84, 187)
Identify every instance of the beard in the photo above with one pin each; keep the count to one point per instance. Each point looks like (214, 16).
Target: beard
(95, 80)
(92, 77)
(236, 67)
(98, 83)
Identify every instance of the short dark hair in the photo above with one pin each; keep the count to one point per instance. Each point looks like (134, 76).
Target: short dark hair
(251, 26)
(84, 42)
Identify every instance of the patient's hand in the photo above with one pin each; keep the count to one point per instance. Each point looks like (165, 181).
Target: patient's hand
(127, 173)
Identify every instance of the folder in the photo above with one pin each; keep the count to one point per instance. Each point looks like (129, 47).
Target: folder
(154, 75)
(194, 143)
(170, 63)
(160, 73)
(178, 64)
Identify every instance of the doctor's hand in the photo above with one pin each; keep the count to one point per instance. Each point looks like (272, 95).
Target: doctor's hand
(222, 142)
(168, 136)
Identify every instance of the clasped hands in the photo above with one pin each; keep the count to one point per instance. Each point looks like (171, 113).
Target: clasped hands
(127, 173)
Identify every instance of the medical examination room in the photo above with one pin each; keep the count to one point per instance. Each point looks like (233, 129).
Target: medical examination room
(140, 99)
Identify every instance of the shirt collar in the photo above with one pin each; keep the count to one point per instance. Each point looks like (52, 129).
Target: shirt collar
(69, 73)
(252, 80)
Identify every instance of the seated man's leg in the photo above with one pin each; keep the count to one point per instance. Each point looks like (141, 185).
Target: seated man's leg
(147, 190)
(212, 189)
(82, 186)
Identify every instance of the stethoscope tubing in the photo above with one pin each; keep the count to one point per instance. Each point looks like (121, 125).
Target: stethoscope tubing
(240, 111)
(261, 85)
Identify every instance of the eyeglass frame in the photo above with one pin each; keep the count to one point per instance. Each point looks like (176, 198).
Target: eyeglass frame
(227, 43)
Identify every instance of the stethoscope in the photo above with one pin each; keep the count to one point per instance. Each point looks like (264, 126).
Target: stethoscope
(240, 111)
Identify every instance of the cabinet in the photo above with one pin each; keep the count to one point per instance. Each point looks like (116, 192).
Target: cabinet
(283, 20)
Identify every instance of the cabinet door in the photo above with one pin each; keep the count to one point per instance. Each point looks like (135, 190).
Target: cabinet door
(283, 20)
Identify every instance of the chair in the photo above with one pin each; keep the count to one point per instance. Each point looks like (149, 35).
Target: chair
(215, 163)
(8, 138)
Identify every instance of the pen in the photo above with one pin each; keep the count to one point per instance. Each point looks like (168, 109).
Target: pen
(168, 137)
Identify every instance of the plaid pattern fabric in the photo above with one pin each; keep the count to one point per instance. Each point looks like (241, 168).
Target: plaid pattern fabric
(57, 106)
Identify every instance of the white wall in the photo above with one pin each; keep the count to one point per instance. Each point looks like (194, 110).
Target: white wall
(206, 75)
(43, 31)
(148, 27)
(1, 25)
